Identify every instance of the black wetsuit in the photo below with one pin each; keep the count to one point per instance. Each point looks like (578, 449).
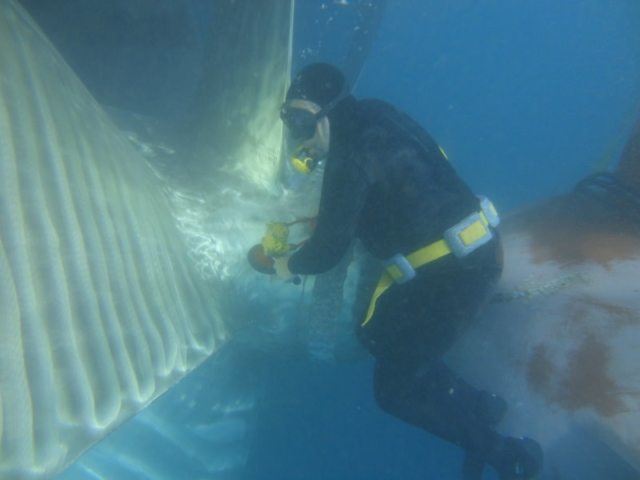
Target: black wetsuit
(387, 183)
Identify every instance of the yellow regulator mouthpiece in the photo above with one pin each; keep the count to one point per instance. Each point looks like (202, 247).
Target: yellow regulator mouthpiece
(302, 161)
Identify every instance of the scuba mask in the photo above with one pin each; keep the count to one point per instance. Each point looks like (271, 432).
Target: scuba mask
(300, 122)
(309, 132)
(306, 155)
(308, 124)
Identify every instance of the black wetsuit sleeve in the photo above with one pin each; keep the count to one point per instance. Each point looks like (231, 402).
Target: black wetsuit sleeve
(344, 191)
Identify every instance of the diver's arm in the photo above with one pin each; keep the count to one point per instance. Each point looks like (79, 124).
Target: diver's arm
(344, 191)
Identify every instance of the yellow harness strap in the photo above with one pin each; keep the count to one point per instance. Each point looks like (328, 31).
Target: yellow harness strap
(467, 236)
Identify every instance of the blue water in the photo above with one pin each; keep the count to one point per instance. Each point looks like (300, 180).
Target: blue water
(525, 97)
(320, 422)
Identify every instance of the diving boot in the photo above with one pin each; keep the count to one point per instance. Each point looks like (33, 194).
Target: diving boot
(516, 459)
(489, 409)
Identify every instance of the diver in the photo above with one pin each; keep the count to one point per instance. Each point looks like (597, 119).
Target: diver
(387, 183)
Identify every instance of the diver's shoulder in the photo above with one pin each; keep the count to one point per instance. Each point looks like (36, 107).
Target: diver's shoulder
(375, 106)
(376, 110)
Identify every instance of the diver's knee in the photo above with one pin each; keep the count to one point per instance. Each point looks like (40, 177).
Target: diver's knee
(388, 401)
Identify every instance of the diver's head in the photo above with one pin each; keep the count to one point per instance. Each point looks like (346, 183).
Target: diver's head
(320, 83)
(313, 93)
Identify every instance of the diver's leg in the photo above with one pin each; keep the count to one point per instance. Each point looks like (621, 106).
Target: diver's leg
(412, 328)
(435, 399)
(488, 408)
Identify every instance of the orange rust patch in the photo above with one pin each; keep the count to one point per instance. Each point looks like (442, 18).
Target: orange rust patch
(586, 381)
(581, 310)
(603, 248)
(575, 246)
(541, 371)
(583, 383)
(566, 230)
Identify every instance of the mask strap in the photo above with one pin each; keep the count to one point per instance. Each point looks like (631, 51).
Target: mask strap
(345, 92)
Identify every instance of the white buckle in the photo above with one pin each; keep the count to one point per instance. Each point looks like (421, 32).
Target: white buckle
(489, 211)
(400, 261)
(452, 236)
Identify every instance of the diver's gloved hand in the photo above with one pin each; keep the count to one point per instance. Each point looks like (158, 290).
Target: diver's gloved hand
(281, 266)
